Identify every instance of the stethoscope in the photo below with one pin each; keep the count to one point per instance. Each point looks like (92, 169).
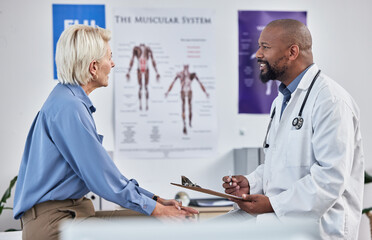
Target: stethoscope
(297, 121)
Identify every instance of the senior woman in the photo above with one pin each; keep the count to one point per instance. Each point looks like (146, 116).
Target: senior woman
(64, 158)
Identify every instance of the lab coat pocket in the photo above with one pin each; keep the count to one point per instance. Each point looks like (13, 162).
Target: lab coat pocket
(299, 154)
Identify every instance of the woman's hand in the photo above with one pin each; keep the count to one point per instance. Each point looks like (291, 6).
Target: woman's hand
(178, 205)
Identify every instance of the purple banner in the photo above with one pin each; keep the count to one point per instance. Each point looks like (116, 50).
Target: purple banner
(255, 96)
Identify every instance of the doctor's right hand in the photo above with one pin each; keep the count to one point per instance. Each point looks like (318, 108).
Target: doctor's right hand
(236, 185)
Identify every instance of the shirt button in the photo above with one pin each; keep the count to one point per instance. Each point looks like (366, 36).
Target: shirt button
(144, 206)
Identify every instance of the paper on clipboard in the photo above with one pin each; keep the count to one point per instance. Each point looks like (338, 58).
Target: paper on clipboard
(208, 191)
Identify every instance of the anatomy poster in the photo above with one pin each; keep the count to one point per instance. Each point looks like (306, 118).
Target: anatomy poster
(164, 83)
(255, 96)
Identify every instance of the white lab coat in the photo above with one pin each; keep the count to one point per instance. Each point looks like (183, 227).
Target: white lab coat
(317, 171)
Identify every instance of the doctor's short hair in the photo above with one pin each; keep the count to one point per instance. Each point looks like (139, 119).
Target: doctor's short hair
(77, 47)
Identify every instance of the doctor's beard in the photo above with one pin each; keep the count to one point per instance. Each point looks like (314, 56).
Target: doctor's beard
(272, 73)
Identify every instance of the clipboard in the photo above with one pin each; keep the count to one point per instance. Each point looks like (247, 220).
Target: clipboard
(208, 191)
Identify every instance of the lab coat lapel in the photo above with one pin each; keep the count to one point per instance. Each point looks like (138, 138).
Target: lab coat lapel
(283, 124)
(276, 122)
(308, 78)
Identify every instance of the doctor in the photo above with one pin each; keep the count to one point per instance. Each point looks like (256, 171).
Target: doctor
(314, 160)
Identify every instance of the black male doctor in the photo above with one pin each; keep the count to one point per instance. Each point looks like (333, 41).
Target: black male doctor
(314, 163)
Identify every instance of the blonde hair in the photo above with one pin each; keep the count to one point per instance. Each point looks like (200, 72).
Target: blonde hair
(77, 47)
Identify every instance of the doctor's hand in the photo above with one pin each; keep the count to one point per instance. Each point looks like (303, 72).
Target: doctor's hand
(177, 205)
(254, 204)
(236, 185)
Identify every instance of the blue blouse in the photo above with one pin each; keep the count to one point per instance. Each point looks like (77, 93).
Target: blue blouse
(64, 158)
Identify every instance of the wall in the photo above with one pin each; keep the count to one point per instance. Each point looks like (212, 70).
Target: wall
(341, 49)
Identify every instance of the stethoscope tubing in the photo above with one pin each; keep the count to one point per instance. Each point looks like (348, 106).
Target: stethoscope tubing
(308, 92)
(297, 121)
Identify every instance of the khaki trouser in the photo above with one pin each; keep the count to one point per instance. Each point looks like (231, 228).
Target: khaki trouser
(42, 221)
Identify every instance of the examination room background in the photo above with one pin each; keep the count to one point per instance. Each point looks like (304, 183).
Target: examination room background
(342, 48)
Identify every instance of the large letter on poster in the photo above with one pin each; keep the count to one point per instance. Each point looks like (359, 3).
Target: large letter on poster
(164, 83)
(65, 15)
(255, 96)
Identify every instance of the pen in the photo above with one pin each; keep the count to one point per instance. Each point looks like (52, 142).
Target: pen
(230, 176)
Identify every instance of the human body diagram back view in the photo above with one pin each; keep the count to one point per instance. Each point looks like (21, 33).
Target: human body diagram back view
(186, 78)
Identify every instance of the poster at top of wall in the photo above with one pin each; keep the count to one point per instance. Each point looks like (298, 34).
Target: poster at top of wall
(254, 96)
(164, 83)
(65, 15)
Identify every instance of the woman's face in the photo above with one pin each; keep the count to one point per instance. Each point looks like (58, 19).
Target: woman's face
(104, 67)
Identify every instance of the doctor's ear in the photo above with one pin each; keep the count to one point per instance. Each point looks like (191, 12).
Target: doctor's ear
(294, 51)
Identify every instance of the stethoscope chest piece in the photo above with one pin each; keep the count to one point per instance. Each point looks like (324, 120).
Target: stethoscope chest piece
(298, 122)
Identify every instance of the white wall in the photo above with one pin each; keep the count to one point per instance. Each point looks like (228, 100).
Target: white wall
(342, 47)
